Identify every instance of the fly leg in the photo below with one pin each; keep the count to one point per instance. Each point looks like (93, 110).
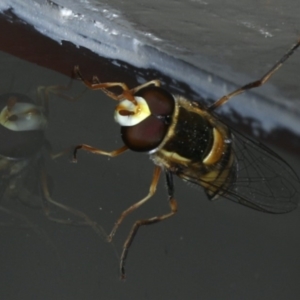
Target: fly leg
(126, 92)
(98, 151)
(95, 151)
(136, 205)
(154, 82)
(256, 83)
(136, 226)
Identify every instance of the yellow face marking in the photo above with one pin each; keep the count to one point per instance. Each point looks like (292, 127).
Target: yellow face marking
(128, 113)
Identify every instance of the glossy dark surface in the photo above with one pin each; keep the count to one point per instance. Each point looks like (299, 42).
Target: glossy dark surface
(209, 250)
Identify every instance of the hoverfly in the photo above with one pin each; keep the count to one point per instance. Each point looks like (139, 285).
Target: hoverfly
(186, 139)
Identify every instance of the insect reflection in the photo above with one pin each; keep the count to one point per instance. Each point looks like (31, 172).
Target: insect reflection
(186, 139)
(23, 176)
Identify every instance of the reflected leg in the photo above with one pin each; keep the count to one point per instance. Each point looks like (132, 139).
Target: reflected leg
(85, 219)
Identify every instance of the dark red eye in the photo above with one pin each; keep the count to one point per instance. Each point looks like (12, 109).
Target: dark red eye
(148, 134)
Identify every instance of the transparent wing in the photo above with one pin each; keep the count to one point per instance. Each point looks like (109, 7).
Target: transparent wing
(262, 179)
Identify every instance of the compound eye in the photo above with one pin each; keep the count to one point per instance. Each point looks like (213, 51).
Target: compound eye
(148, 131)
(160, 101)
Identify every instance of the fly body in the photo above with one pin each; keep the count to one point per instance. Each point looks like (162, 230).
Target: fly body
(187, 139)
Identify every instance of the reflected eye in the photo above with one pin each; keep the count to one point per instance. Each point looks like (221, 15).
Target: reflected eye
(22, 126)
(22, 117)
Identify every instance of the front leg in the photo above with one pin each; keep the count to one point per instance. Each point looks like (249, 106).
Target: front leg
(127, 93)
(98, 151)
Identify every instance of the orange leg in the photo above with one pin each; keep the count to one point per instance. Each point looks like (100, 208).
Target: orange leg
(133, 207)
(138, 224)
(256, 83)
(126, 92)
(98, 151)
